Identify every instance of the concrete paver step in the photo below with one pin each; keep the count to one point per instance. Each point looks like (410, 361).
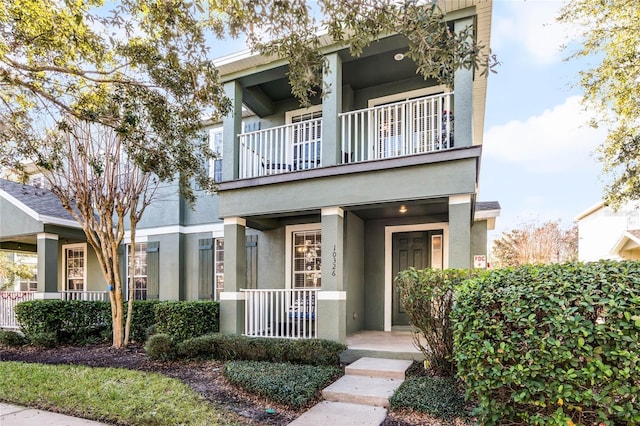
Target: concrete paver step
(378, 367)
(340, 413)
(361, 390)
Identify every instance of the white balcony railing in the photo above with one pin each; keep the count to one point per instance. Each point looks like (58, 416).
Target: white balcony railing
(85, 295)
(281, 313)
(410, 127)
(281, 149)
(8, 302)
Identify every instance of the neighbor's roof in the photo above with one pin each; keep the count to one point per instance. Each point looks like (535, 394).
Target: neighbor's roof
(39, 203)
(629, 236)
(594, 208)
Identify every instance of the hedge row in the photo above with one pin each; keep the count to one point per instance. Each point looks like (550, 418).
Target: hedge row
(232, 347)
(296, 386)
(557, 344)
(50, 322)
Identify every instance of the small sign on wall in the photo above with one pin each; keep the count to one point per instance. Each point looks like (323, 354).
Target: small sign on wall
(480, 261)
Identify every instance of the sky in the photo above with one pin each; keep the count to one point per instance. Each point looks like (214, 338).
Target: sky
(539, 157)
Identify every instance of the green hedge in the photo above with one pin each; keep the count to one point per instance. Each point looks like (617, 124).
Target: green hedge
(232, 347)
(185, 320)
(293, 385)
(49, 322)
(552, 344)
(437, 396)
(61, 321)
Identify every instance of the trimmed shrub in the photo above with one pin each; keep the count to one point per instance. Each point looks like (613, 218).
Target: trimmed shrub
(79, 321)
(72, 321)
(11, 338)
(427, 296)
(552, 344)
(437, 396)
(296, 386)
(144, 318)
(160, 347)
(44, 339)
(232, 347)
(186, 320)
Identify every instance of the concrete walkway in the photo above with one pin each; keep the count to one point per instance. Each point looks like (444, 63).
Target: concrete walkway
(360, 397)
(13, 415)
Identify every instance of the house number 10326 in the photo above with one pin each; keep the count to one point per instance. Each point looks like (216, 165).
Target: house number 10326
(334, 264)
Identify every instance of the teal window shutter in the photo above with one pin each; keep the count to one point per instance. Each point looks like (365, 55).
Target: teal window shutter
(153, 270)
(205, 268)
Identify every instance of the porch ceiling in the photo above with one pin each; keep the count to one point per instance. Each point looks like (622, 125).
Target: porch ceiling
(430, 207)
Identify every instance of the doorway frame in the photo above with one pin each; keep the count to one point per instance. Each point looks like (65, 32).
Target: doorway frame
(388, 259)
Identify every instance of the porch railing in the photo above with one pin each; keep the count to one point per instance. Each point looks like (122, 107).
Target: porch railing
(85, 295)
(281, 149)
(8, 302)
(289, 313)
(403, 128)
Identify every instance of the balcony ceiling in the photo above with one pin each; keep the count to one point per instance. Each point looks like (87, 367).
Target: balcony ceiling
(376, 66)
(431, 207)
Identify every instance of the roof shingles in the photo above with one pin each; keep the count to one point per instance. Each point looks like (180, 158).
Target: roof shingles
(40, 200)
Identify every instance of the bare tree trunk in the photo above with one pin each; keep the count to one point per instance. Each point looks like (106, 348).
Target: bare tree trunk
(131, 268)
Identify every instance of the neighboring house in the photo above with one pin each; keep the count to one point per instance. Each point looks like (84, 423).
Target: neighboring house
(319, 208)
(32, 220)
(608, 234)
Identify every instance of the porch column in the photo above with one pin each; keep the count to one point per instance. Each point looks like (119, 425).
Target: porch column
(231, 127)
(460, 231)
(331, 107)
(235, 277)
(332, 299)
(48, 264)
(463, 99)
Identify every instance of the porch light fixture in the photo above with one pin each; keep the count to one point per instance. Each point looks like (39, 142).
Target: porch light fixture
(402, 209)
(398, 56)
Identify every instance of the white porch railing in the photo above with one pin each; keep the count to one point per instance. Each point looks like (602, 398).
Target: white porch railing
(403, 128)
(288, 313)
(8, 302)
(85, 295)
(281, 149)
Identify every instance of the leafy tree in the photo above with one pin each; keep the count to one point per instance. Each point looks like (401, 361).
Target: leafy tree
(10, 270)
(536, 244)
(143, 71)
(610, 36)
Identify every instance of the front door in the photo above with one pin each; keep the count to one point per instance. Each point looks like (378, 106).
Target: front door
(420, 249)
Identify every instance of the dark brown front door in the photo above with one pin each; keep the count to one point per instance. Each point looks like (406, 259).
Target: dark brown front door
(409, 249)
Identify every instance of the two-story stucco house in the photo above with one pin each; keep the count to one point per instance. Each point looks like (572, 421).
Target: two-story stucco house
(319, 208)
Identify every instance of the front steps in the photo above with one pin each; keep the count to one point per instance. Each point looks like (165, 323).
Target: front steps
(360, 396)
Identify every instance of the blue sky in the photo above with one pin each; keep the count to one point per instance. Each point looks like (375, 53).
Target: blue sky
(539, 157)
(538, 153)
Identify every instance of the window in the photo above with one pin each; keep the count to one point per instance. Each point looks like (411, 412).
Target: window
(436, 251)
(139, 271)
(219, 267)
(74, 269)
(307, 258)
(306, 137)
(215, 164)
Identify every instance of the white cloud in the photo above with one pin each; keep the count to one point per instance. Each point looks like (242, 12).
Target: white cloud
(558, 139)
(530, 26)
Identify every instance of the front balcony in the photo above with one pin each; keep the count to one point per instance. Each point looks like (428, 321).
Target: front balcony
(399, 129)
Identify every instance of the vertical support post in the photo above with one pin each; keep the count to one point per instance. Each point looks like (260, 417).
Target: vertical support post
(48, 263)
(331, 107)
(463, 97)
(235, 276)
(460, 231)
(231, 128)
(332, 299)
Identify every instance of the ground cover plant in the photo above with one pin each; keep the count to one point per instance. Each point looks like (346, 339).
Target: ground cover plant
(107, 394)
(554, 344)
(293, 385)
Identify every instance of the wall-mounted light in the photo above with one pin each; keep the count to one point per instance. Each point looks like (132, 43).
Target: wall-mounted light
(398, 56)
(402, 209)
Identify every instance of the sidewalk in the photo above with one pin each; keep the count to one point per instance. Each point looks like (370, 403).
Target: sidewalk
(13, 415)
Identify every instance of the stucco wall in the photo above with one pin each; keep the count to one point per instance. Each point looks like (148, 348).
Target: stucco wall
(354, 250)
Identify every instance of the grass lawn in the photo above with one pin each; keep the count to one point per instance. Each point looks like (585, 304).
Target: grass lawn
(108, 394)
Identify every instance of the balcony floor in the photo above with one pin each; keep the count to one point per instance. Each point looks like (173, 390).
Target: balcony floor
(380, 344)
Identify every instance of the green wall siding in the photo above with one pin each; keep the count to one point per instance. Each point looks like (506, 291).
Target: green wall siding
(20, 223)
(354, 252)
